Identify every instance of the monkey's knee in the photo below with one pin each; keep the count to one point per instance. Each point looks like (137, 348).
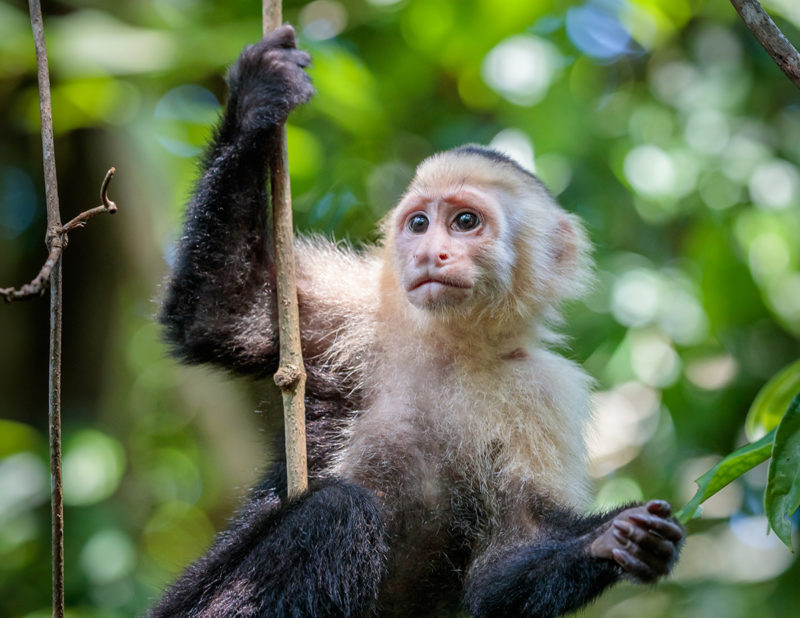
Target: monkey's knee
(328, 553)
(335, 511)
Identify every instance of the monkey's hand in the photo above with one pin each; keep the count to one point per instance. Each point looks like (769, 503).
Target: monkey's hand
(267, 82)
(643, 540)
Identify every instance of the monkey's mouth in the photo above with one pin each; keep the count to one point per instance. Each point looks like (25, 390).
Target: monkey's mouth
(438, 281)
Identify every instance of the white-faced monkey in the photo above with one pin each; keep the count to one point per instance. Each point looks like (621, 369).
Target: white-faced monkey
(445, 439)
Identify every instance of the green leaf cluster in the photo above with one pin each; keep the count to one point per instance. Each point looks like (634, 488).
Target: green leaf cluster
(781, 445)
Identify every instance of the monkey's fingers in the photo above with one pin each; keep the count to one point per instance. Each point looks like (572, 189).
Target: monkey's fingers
(292, 58)
(666, 528)
(633, 565)
(301, 58)
(298, 57)
(644, 544)
(659, 507)
(283, 36)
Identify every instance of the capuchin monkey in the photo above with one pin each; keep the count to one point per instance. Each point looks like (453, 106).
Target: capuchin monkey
(445, 439)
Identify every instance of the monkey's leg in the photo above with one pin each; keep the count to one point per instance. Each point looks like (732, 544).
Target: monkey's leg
(320, 555)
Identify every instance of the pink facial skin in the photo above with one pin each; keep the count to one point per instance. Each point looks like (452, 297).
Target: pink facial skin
(439, 240)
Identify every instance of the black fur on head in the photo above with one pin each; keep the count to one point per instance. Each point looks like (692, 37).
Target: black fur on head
(493, 155)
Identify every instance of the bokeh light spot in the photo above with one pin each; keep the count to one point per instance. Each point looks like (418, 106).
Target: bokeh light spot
(624, 419)
(650, 171)
(707, 131)
(595, 30)
(784, 294)
(107, 556)
(93, 467)
(23, 484)
(655, 362)
(712, 373)
(184, 116)
(636, 297)
(517, 145)
(521, 68)
(323, 19)
(775, 184)
(616, 492)
(768, 255)
(555, 172)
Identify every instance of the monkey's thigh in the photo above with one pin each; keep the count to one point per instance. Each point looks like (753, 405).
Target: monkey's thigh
(321, 555)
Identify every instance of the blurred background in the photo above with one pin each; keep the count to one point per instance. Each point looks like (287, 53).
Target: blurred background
(661, 122)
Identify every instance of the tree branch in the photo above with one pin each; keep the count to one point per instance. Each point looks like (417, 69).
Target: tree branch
(771, 38)
(291, 375)
(57, 241)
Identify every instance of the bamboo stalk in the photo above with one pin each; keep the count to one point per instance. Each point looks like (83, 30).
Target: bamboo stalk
(291, 376)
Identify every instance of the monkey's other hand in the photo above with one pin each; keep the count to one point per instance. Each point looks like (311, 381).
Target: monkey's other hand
(268, 81)
(643, 540)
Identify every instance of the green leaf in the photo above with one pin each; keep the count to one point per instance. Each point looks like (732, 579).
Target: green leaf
(727, 470)
(772, 400)
(782, 496)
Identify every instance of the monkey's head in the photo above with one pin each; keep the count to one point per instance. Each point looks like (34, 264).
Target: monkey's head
(476, 233)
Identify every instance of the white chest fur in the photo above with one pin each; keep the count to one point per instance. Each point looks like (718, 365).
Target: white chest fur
(518, 422)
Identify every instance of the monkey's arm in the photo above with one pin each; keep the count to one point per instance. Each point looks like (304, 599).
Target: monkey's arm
(555, 576)
(220, 304)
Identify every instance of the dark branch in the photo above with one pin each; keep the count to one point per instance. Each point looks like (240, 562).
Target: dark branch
(57, 241)
(55, 244)
(106, 206)
(771, 38)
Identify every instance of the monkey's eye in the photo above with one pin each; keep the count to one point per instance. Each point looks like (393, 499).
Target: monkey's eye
(418, 224)
(466, 221)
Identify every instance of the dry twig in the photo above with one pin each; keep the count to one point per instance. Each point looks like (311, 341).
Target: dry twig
(54, 244)
(57, 241)
(50, 276)
(291, 375)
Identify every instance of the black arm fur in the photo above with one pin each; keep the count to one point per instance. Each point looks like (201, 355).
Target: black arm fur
(547, 578)
(220, 303)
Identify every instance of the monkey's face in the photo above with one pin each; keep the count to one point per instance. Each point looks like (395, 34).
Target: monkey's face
(444, 245)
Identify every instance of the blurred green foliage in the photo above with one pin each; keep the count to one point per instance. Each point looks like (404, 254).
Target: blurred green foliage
(782, 496)
(769, 406)
(661, 122)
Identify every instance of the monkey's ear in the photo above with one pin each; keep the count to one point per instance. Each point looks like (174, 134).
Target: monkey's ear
(569, 250)
(565, 246)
